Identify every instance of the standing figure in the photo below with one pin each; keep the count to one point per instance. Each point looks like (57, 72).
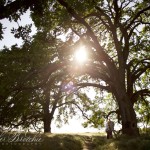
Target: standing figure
(109, 128)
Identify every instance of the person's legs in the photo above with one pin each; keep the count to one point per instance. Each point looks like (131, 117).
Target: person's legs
(107, 135)
(110, 134)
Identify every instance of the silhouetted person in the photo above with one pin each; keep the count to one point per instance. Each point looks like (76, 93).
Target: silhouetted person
(109, 128)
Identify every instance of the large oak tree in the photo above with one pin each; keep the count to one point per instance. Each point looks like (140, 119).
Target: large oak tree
(113, 31)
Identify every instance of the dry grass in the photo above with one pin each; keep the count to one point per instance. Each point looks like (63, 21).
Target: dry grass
(78, 141)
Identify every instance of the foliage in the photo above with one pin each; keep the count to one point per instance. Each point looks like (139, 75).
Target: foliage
(18, 95)
(116, 35)
(34, 87)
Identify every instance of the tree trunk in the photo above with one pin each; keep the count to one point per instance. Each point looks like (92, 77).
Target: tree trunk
(128, 116)
(47, 125)
(46, 115)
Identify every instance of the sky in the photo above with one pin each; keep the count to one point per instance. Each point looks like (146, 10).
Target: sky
(74, 126)
(9, 39)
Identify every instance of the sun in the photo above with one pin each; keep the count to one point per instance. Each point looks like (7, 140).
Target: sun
(81, 55)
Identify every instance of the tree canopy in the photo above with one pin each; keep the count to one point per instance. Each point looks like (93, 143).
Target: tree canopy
(115, 34)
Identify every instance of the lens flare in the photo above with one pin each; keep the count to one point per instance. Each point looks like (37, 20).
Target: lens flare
(81, 55)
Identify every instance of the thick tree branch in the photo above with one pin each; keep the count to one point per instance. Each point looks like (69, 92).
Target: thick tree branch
(116, 112)
(137, 63)
(139, 72)
(136, 95)
(117, 10)
(97, 46)
(99, 50)
(97, 75)
(45, 72)
(83, 114)
(107, 88)
(65, 103)
(106, 16)
(137, 15)
(110, 9)
(123, 5)
(132, 29)
(79, 19)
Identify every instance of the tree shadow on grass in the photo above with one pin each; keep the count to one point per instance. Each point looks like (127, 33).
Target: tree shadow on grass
(54, 142)
(126, 143)
(62, 142)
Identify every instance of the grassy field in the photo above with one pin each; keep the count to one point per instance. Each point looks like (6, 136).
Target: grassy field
(85, 141)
